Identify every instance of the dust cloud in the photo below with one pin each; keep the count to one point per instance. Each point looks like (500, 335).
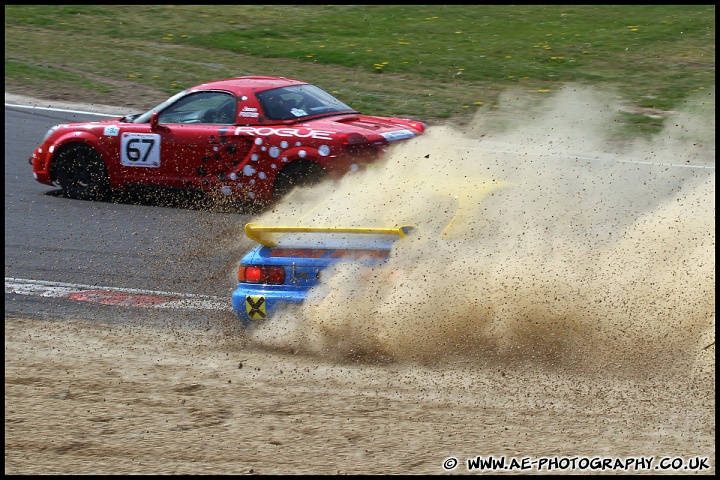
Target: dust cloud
(569, 249)
(571, 255)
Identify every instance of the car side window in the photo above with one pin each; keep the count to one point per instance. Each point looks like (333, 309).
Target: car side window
(282, 105)
(225, 112)
(201, 107)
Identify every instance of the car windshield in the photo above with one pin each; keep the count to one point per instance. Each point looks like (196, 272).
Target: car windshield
(145, 117)
(298, 101)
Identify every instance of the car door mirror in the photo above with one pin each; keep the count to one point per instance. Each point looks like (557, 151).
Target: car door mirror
(155, 122)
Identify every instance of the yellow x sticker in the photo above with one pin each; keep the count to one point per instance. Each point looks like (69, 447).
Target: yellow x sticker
(255, 307)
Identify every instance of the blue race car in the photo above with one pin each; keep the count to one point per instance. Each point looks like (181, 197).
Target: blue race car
(289, 261)
(283, 268)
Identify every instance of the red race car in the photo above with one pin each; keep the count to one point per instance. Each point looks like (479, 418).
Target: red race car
(248, 139)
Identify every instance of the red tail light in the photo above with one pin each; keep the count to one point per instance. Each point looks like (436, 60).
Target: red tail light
(261, 274)
(253, 274)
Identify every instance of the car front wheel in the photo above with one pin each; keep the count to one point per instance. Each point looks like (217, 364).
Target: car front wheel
(297, 174)
(82, 173)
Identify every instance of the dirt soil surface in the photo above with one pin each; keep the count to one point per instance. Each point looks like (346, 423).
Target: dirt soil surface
(91, 397)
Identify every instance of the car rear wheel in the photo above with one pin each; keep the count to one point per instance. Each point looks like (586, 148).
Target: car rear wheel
(82, 173)
(297, 174)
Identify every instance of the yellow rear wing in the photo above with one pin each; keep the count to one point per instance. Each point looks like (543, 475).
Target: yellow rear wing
(470, 195)
(265, 235)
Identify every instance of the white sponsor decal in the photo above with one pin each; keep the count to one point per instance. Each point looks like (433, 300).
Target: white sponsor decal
(249, 112)
(111, 131)
(285, 132)
(398, 135)
(140, 150)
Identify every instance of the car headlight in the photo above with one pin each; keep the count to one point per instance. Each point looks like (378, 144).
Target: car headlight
(50, 132)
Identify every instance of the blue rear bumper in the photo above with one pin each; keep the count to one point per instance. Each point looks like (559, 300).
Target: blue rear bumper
(254, 304)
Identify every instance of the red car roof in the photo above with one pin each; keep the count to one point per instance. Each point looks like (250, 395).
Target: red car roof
(241, 85)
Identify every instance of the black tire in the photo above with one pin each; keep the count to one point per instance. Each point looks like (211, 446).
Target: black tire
(297, 174)
(82, 173)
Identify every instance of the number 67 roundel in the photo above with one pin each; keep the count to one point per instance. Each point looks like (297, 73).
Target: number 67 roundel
(140, 150)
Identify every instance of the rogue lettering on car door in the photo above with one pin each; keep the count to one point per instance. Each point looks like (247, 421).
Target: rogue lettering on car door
(286, 132)
(140, 150)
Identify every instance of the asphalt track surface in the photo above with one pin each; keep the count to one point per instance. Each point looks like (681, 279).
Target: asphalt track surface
(126, 253)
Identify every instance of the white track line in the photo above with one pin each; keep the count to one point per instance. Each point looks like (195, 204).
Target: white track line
(116, 296)
(32, 107)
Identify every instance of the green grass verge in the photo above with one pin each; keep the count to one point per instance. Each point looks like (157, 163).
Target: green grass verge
(434, 62)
